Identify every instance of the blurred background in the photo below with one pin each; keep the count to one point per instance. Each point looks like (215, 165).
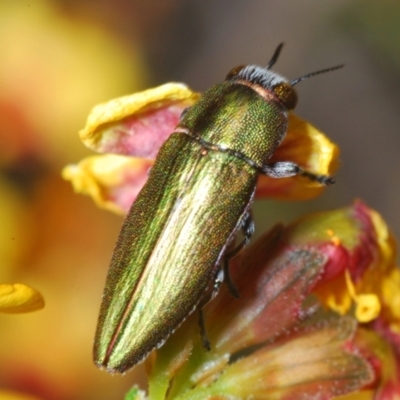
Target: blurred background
(61, 57)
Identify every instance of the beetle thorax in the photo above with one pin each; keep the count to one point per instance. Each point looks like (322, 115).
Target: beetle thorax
(266, 83)
(261, 76)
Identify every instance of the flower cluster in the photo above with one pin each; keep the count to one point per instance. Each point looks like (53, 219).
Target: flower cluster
(319, 309)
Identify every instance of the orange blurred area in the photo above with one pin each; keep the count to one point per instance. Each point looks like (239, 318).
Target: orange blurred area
(54, 67)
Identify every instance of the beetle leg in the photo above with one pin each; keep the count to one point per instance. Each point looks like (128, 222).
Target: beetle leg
(203, 333)
(223, 275)
(248, 230)
(212, 292)
(207, 298)
(285, 169)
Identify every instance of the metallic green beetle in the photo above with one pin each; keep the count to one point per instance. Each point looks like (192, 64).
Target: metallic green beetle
(198, 195)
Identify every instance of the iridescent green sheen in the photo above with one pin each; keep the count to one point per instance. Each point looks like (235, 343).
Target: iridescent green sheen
(236, 117)
(195, 200)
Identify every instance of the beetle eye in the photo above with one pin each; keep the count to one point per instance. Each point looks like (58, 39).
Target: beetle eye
(234, 71)
(286, 94)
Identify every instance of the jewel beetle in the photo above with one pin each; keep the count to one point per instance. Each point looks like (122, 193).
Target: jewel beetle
(172, 251)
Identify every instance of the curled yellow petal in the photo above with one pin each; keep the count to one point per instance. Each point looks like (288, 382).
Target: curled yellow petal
(391, 292)
(391, 298)
(386, 241)
(311, 148)
(112, 181)
(104, 131)
(368, 305)
(19, 298)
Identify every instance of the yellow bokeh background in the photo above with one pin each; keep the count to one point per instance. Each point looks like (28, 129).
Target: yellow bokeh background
(54, 67)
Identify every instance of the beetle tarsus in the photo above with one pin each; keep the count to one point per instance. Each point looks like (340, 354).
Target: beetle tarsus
(231, 286)
(203, 333)
(322, 179)
(286, 169)
(248, 231)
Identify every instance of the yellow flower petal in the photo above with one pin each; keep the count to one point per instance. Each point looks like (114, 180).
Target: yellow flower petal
(391, 299)
(18, 298)
(112, 181)
(391, 291)
(99, 130)
(386, 241)
(321, 154)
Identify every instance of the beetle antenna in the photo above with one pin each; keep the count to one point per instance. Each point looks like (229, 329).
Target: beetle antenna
(322, 71)
(275, 56)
